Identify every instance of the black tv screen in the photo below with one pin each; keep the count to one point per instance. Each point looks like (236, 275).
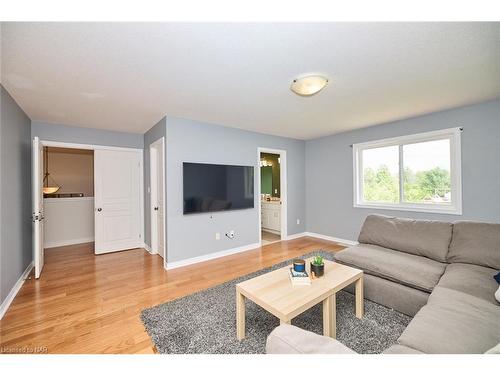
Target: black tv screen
(215, 187)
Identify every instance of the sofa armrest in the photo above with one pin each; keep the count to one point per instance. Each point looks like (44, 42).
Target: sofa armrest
(287, 339)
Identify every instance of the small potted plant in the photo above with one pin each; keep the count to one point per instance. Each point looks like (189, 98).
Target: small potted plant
(318, 266)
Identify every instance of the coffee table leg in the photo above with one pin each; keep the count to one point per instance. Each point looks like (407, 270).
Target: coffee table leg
(330, 317)
(240, 316)
(360, 309)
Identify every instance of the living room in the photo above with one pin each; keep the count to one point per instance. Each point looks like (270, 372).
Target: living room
(258, 188)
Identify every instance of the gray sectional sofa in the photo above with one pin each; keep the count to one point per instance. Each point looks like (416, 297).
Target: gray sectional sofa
(438, 272)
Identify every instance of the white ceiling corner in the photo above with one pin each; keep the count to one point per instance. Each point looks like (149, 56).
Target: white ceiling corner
(126, 76)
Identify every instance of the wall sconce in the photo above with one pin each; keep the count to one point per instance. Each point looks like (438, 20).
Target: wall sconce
(265, 163)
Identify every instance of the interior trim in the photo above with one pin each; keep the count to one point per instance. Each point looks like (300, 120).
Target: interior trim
(15, 289)
(219, 254)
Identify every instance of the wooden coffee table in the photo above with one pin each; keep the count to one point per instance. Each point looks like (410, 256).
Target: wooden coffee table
(275, 293)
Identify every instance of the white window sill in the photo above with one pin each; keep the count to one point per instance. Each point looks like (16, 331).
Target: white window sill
(448, 210)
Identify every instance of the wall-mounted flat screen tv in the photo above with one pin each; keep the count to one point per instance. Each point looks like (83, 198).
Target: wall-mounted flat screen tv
(216, 187)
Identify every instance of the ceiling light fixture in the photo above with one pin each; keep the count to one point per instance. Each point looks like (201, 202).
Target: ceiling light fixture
(308, 85)
(265, 163)
(47, 187)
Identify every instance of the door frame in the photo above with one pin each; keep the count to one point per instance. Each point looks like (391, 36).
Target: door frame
(38, 209)
(283, 190)
(153, 181)
(86, 146)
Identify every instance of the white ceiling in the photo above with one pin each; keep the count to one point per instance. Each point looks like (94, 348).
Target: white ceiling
(127, 76)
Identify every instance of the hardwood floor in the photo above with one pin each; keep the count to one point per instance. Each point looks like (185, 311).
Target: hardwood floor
(268, 237)
(85, 303)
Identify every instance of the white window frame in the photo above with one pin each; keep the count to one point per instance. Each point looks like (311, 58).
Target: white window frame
(453, 208)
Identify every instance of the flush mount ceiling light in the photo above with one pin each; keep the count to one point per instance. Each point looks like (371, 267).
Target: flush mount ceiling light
(308, 85)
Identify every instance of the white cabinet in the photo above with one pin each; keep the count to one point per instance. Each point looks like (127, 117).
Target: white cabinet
(271, 216)
(264, 218)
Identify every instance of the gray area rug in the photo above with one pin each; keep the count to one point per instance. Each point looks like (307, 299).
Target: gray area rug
(205, 322)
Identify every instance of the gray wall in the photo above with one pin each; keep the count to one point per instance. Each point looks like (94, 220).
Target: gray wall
(194, 235)
(73, 134)
(15, 193)
(329, 169)
(153, 134)
(319, 171)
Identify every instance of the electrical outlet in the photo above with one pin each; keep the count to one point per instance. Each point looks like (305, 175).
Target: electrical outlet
(298, 221)
(217, 236)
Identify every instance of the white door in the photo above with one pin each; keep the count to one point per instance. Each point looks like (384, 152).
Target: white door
(37, 188)
(117, 179)
(157, 163)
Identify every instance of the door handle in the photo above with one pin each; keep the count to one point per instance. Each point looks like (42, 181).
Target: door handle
(37, 217)
(99, 209)
(156, 208)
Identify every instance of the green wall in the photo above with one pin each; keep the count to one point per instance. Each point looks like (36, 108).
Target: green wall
(266, 180)
(274, 189)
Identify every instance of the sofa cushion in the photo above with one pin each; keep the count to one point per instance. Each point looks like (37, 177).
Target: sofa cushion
(287, 339)
(475, 243)
(401, 349)
(471, 279)
(407, 269)
(427, 238)
(453, 323)
(396, 296)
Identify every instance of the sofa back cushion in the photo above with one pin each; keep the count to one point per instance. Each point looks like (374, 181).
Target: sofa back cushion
(426, 238)
(475, 243)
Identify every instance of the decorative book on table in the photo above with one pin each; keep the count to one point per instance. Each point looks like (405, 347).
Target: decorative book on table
(299, 278)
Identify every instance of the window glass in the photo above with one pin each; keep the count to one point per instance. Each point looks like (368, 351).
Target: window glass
(381, 174)
(426, 172)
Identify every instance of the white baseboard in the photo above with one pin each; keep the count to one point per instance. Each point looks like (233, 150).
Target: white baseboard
(203, 258)
(341, 241)
(322, 237)
(68, 242)
(295, 236)
(15, 289)
(147, 247)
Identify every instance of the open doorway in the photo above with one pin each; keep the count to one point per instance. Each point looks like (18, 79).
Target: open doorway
(272, 197)
(86, 193)
(68, 198)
